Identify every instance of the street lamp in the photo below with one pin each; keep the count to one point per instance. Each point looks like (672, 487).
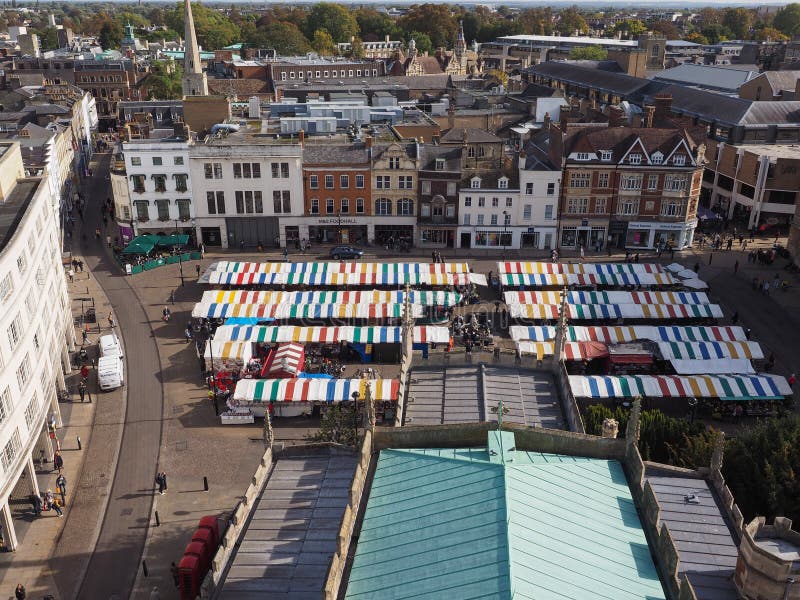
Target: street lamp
(339, 215)
(355, 395)
(180, 253)
(505, 231)
(693, 407)
(210, 338)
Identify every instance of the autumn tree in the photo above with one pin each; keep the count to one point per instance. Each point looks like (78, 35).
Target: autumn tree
(110, 35)
(629, 28)
(770, 34)
(322, 43)
(787, 20)
(434, 20)
(666, 28)
(536, 21)
(738, 20)
(214, 30)
(589, 53)
(335, 19)
(570, 20)
(696, 38)
(48, 38)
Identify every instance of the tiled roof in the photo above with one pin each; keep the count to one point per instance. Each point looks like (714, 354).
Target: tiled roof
(707, 76)
(316, 153)
(497, 522)
(620, 139)
(430, 152)
(781, 80)
(616, 83)
(472, 135)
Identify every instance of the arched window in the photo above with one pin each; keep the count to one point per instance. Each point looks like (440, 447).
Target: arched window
(405, 207)
(383, 206)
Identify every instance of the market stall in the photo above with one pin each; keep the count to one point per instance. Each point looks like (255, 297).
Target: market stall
(559, 280)
(613, 297)
(581, 312)
(227, 355)
(656, 333)
(329, 335)
(724, 387)
(284, 361)
(422, 297)
(289, 311)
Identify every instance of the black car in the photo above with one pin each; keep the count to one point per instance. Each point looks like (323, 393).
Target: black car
(341, 252)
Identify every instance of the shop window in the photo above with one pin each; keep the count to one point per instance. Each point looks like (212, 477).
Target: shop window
(383, 206)
(314, 206)
(569, 237)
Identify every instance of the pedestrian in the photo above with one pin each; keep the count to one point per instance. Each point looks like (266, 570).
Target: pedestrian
(202, 250)
(173, 569)
(756, 283)
(80, 266)
(160, 483)
(61, 488)
(164, 479)
(583, 257)
(736, 267)
(58, 462)
(71, 274)
(770, 361)
(697, 267)
(197, 268)
(433, 256)
(735, 318)
(286, 254)
(108, 240)
(766, 288)
(730, 243)
(84, 372)
(792, 380)
(111, 320)
(84, 337)
(20, 593)
(154, 595)
(36, 501)
(636, 257)
(82, 389)
(672, 253)
(57, 507)
(710, 257)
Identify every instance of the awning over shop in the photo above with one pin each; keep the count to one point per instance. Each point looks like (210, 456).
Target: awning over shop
(732, 387)
(285, 361)
(628, 333)
(577, 268)
(140, 245)
(168, 241)
(617, 311)
(535, 334)
(330, 335)
(305, 311)
(423, 297)
(711, 367)
(710, 350)
(313, 390)
(226, 350)
(560, 279)
(572, 350)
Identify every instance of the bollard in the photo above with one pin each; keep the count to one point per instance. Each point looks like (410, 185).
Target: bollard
(158, 520)
(79, 443)
(205, 484)
(144, 569)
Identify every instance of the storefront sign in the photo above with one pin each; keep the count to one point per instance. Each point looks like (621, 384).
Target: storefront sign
(337, 221)
(659, 226)
(584, 222)
(531, 230)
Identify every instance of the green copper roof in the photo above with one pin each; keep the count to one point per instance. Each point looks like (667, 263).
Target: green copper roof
(501, 523)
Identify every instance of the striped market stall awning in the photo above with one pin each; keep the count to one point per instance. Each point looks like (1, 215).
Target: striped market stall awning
(710, 350)
(531, 268)
(538, 349)
(287, 360)
(424, 297)
(582, 312)
(338, 267)
(304, 311)
(550, 297)
(377, 278)
(533, 311)
(313, 390)
(629, 333)
(570, 279)
(725, 387)
(534, 334)
(329, 335)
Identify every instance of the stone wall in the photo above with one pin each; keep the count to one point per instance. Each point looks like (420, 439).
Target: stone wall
(760, 573)
(568, 403)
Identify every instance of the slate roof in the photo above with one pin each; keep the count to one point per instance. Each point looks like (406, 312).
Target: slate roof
(706, 543)
(620, 139)
(471, 135)
(430, 152)
(410, 149)
(333, 154)
(498, 522)
(616, 83)
(781, 80)
(706, 76)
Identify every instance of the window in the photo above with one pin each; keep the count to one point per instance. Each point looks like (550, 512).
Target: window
(577, 206)
(475, 183)
(359, 182)
(24, 371)
(509, 201)
(142, 210)
(30, 303)
(657, 158)
(529, 189)
(315, 206)
(679, 160)
(527, 209)
(249, 202)
(405, 207)
(344, 182)
(15, 332)
(635, 159)
(22, 263)
(605, 154)
(600, 205)
(551, 188)
(467, 218)
(582, 156)
(480, 219)
(494, 220)
(481, 152)
(11, 450)
(138, 183)
(178, 160)
(426, 187)
(632, 182)
(502, 183)
(548, 212)
(183, 209)
(237, 170)
(328, 182)
(580, 180)
(313, 181)
(674, 183)
(161, 182)
(281, 202)
(136, 161)
(569, 237)
(406, 182)
(359, 204)
(468, 201)
(384, 182)
(602, 180)
(212, 170)
(440, 164)
(181, 182)
(30, 411)
(672, 207)
(157, 161)
(628, 206)
(481, 201)
(451, 188)
(5, 404)
(216, 203)
(344, 204)
(383, 206)
(162, 206)
(330, 208)
(394, 162)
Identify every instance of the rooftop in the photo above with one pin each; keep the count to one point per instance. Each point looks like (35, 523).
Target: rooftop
(707, 76)
(502, 523)
(12, 210)
(562, 39)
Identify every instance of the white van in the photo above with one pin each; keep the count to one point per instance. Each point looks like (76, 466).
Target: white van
(109, 345)
(110, 373)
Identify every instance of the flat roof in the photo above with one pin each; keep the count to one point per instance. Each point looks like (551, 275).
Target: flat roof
(462, 395)
(287, 546)
(562, 39)
(498, 522)
(12, 210)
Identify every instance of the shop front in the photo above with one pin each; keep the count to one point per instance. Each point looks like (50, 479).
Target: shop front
(350, 230)
(587, 234)
(437, 237)
(652, 234)
(390, 235)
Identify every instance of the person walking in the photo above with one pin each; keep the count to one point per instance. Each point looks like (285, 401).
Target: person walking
(84, 373)
(111, 322)
(164, 479)
(82, 389)
(36, 501)
(61, 488)
(197, 268)
(736, 267)
(173, 569)
(57, 507)
(20, 593)
(58, 462)
(160, 483)
(84, 337)
(792, 380)
(71, 274)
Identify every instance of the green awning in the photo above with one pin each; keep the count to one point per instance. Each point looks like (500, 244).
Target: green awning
(139, 246)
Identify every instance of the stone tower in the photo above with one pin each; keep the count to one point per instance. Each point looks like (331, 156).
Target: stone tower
(194, 79)
(460, 52)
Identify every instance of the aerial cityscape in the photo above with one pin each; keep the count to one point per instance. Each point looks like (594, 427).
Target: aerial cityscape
(517, 314)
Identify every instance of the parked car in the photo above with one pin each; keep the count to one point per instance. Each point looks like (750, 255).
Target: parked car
(340, 252)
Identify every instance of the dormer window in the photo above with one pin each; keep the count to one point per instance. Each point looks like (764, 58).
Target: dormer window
(657, 158)
(502, 183)
(635, 159)
(582, 156)
(475, 182)
(440, 164)
(605, 154)
(679, 160)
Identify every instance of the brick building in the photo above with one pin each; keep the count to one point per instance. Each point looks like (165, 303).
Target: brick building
(110, 81)
(439, 178)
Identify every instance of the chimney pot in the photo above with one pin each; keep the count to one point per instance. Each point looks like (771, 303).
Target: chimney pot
(302, 135)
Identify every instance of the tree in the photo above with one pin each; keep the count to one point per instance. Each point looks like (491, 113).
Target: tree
(356, 49)
(422, 40)
(589, 53)
(787, 20)
(667, 29)
(738, 20)
(127, 17)
(697, 38)
(323, 43)
(372, 22)
(630, 28)
(164, 81)
(435, 20)
(335, 19)
(338, 426)
(282, 36)
(570, 20)
(536, 21)
(214, 30)
(770, 34)
(110, 35)
(716, 33)
(48, 38)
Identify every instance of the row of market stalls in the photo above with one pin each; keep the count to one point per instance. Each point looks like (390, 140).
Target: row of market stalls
(644, 352)
(281, 345)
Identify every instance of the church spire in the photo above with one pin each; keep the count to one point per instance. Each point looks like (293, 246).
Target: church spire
(194, 81)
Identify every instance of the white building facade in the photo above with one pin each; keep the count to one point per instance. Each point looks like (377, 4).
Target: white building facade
(537, 211)
(36, 332)
(245, 192)
(487, 214)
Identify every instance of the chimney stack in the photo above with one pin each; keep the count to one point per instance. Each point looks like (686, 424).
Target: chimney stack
(649, 113)
(522, 158)
(546, 122)
(616, 116)
(302, 135)
(663, 107)
(368, 141)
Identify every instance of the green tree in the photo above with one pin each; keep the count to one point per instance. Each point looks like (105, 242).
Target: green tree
(374, 23)
(156, 16)
(536, 21)
(422, 40)
(164, 81)
(356, 49)
(716, 33)
(570, 20)
(666, 28)
(126, 17)
(589, 53)
(335, 19)
(322, 43)
(738, 20)
(629, 28)
(214, 30)
(787, 20)
(110, 35)
(434, 20)
(338, 426)
(282, 36)
(48, 38)
(697, 38)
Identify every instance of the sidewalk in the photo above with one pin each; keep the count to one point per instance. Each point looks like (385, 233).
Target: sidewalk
(53, 551)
